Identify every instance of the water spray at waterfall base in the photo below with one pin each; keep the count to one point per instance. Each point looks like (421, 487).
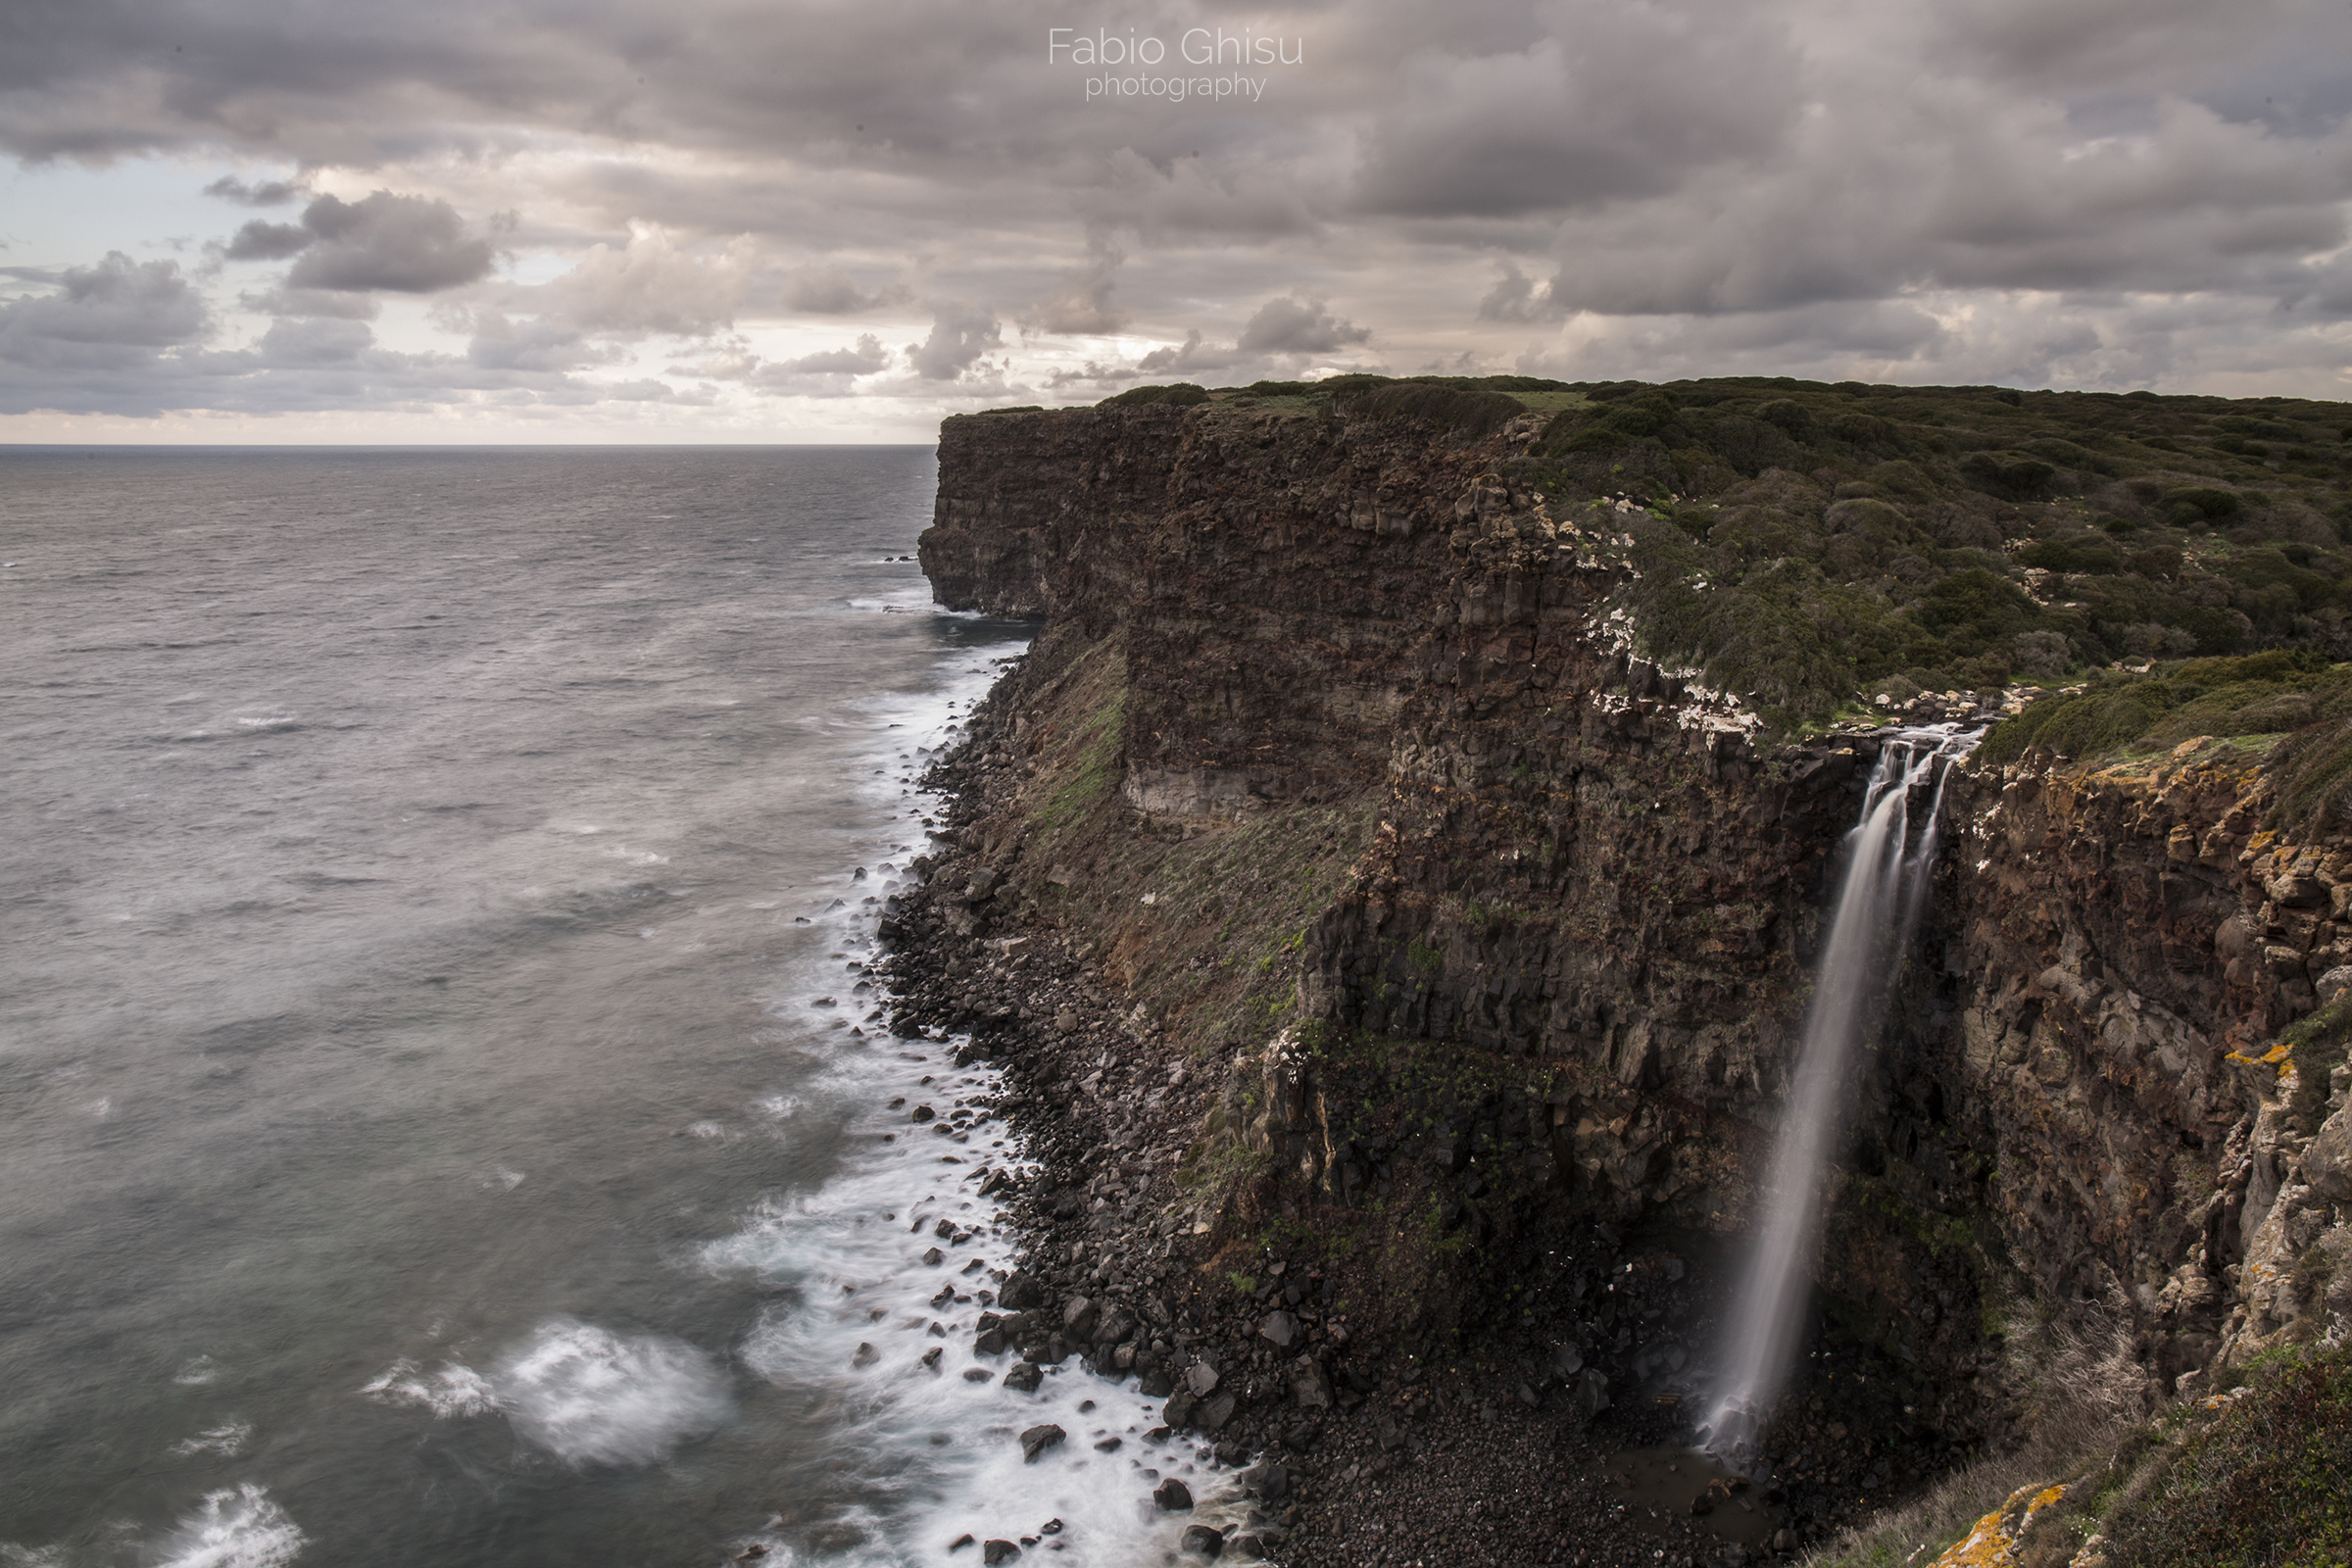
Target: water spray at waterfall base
(1871, 925)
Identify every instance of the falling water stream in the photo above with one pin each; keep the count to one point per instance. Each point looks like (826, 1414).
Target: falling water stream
(1877, 910)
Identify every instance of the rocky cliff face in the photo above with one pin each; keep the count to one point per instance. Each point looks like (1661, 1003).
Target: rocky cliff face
(1585, 872)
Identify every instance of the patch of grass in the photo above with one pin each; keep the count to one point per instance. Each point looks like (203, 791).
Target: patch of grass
(2268, 1483)
(2263, 694)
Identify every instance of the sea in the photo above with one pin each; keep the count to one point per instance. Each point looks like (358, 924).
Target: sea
(447, 1114)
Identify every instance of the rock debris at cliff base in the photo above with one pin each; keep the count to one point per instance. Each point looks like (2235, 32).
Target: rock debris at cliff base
(1360, 1432)
(1339, 758)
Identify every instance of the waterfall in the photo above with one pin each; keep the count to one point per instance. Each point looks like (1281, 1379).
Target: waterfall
(1877, 910)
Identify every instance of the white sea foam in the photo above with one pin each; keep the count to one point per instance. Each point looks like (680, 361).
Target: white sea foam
(591, 1396)
(226, 1440)
(234, 1529)
(456, 1390)
(196, 1371)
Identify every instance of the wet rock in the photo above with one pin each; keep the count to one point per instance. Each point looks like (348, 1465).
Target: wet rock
(1247, 1547)
(1202, 1542)
(931, 1358)
(1078, 1318)
(1179, 1412)
(1202, 1380)
(1038, 1439)
(934, 1256)
(1024, 1375)
(922, 1113)
(1212, 1415)
(1021, 1292)
(959, 1543)
(865, 1355)
(995, 1551)
(1172, 1495)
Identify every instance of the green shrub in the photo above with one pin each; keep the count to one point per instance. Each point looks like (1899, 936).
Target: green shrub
(1181, 393)
(1469, 415)
(2267, 1484)
(2200, 502)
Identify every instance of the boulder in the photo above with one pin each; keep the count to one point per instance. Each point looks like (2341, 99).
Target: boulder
(1037, 1440)
(1024, 1375)
(1280, 1329)
(1020, 1293)
(1078, 1319)
(1202, 1542)
(1310, 1385)
(1173, 1495)
(1202, 1380)
(995, 1551)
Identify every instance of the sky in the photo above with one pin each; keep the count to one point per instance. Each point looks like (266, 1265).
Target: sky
(677, 220)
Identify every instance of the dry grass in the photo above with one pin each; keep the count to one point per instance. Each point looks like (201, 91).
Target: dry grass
(2083, 1389)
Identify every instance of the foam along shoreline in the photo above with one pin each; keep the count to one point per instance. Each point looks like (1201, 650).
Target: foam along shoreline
(880, 1277)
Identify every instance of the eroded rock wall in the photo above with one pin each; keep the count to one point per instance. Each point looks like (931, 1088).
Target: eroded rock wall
(1586, 865)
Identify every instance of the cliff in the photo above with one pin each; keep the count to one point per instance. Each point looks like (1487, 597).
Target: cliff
(1339, 744)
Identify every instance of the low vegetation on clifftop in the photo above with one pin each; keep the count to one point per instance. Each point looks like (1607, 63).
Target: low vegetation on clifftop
(1808, 545)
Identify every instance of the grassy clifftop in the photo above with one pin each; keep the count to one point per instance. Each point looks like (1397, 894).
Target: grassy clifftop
(1808, 545)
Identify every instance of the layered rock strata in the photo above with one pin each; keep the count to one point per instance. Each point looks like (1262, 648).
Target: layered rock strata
(1580, 879)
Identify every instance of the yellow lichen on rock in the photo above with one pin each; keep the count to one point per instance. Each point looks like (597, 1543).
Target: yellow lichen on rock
(1994, 1540)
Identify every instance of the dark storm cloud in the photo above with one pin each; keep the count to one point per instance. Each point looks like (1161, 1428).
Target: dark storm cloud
(1580, 174)
(404, 244)
(1618, 101)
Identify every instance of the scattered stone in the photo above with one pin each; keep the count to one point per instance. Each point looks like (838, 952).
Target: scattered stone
(1280, 1329)
(1202, 1539)
(1172, 1495)
(997, 1552)
(865, 1355)
(1037, 1440)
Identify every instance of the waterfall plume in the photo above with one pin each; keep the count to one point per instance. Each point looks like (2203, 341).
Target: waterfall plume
(1870, 924)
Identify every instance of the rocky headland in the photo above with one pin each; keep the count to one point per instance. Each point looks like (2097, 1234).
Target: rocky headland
(1395, 962)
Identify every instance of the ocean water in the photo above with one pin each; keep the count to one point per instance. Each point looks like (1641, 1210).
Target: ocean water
(442, 1115)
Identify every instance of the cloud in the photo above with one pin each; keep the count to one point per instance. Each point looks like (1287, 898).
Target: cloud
(283, 301)
(540, 344)
(865, 358)
(1289, 326)
(959, 336)
(312, 342)
(269, 193)
(654, 284)
(401, 244)
(1084, 301)
(2085, 190)
(115, 314)
(259, 241)
(831, 292)
(1615, 101)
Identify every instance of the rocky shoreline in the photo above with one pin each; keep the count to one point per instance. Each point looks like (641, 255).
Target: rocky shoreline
(1543, 1434)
